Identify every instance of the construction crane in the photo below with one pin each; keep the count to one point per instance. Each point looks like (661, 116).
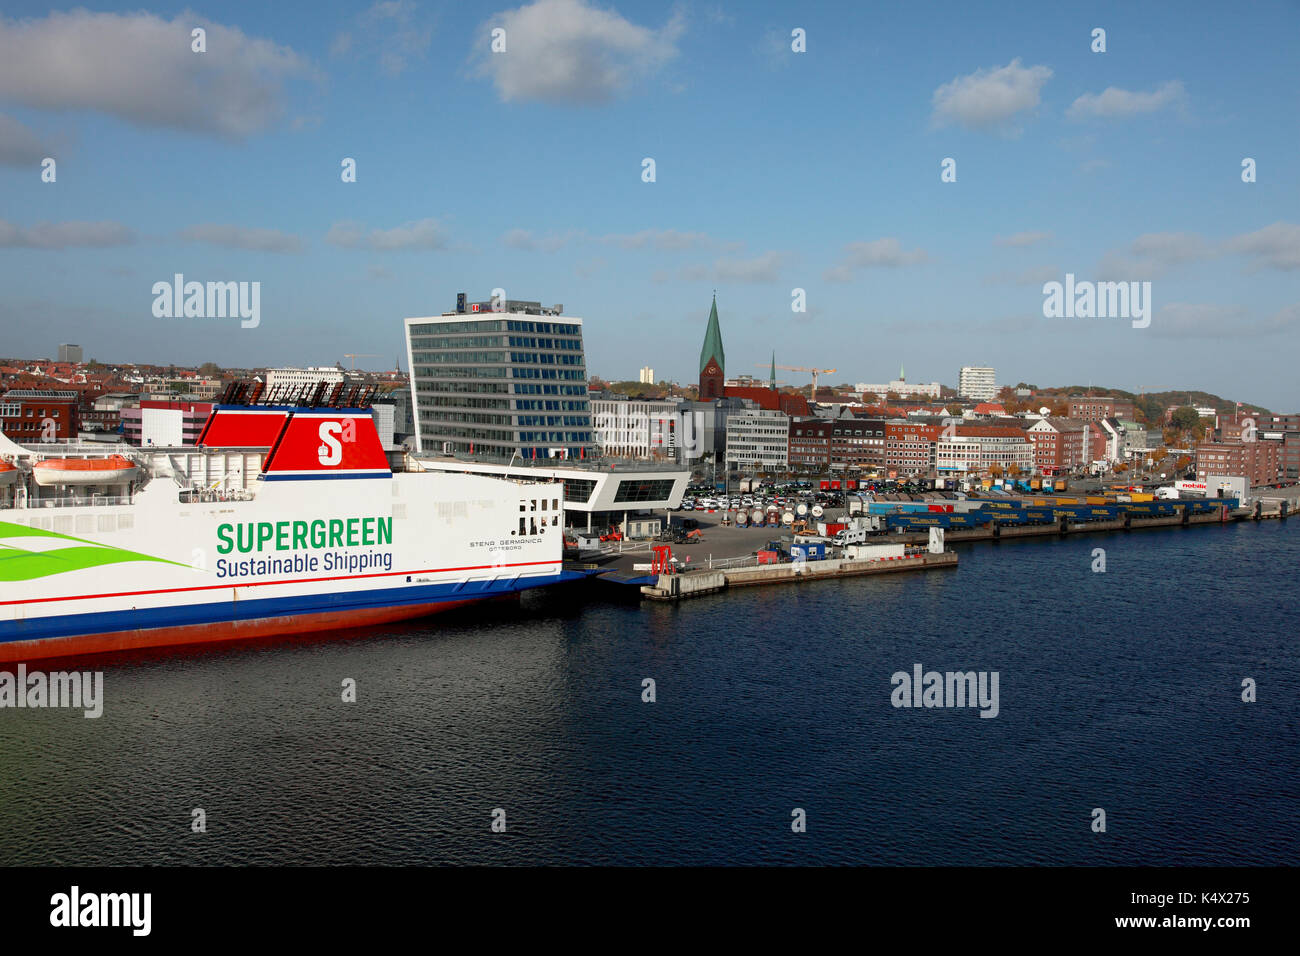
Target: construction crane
(356, 355)
(800, 368)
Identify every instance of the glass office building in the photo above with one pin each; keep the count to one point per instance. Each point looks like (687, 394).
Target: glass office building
(499, 384)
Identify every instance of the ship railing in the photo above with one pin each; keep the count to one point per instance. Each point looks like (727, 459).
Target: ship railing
(581, 464)
(43, 450)
(91, 501)
(211, 496)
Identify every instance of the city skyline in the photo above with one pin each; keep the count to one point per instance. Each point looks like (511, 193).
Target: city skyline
(524, 170)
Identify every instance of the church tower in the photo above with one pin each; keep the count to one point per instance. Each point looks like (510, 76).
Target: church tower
(713, 361)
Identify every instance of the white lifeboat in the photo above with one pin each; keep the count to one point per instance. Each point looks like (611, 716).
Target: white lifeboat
(8, 473)
(112, 470)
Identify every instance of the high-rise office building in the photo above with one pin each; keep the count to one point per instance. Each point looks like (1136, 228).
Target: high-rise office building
(70, 353)
(978, 383)
(495, 384)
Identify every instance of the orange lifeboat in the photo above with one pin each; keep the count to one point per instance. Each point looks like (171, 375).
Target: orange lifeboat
(84, 471)
(8, 473)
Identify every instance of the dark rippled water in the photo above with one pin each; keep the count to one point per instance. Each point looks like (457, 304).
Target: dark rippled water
(1118, 690)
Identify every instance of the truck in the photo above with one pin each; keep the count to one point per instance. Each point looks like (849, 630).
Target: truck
(874, 552)
(849, 536)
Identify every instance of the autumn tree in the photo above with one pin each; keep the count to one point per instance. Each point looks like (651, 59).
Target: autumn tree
(1185, 418)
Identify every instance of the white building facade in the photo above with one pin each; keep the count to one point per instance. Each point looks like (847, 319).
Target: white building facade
(637, 429)
(758, 438)
(978, 382)
(1006, 448)
(899, 387)
(299, 377)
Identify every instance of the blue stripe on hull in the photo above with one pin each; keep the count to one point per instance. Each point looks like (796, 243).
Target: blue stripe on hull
(216, 612)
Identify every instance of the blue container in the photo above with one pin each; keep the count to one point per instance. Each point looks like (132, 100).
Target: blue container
(919, 522)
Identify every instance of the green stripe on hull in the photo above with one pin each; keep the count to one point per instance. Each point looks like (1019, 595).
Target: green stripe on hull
(18, 564)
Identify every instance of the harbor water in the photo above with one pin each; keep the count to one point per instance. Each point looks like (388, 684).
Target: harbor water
(1119, 690)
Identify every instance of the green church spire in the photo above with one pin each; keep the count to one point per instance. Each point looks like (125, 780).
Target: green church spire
(772, 379)
(712, 348)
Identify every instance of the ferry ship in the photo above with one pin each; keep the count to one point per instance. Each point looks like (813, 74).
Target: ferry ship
(287, 517)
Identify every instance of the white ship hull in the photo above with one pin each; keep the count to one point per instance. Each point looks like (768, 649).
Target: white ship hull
(309, 551)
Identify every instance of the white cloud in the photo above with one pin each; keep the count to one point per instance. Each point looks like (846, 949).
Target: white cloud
(764, 268)
(878, 253)
(62, 235)
(140, 68)
(240, 237)
(774, 49)
(664, 240)
(988, 99)
(20, 146)
(391, 31)
(659, 240)
(714, 13)
(1152, 255)
(1115, 102)
(420, 234)
(1188, 320)
(1022, 239)
(552, 242)
(567, 51)
(1277, 246)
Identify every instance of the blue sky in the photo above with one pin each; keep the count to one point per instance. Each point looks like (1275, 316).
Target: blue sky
(775, 170)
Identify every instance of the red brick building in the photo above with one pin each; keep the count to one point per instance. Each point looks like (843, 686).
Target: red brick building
(1257, 461)
(858, 443)
(1095, 409)
(910, 448)
(810, 444)
(1049, 446)
(35, 415)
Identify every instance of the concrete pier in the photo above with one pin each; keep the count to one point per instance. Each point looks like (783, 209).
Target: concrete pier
(674, 587)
